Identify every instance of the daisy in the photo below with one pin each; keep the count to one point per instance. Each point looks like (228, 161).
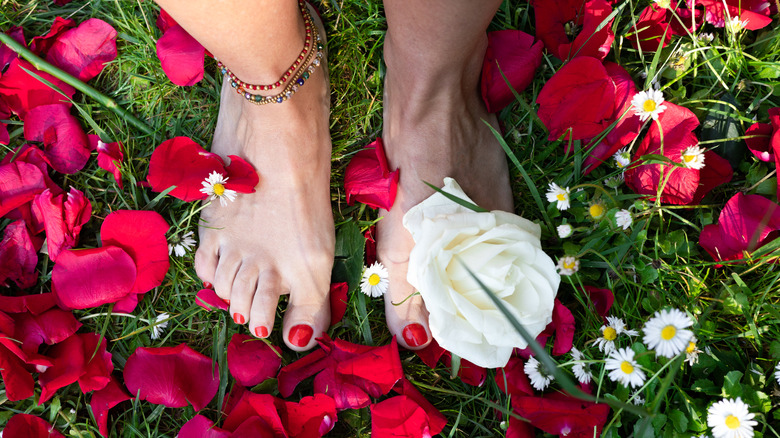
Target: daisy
(648, 104)
(159, 325)
(667, 332)
(622, 158)
(692, 352)
(597, 210)
(735, 25)
(693, 157)
(375, 280)
(560, 195)
(214, 187)
(180, 245)
(623, 368)
(777, 373)
(565, 230)
(623, 219)
(609, 333)
(568, 265)
(538, 375)
(730, 419)
(581, 369)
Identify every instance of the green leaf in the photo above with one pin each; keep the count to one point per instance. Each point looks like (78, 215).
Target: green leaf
(731, 386)
(679, 420)
(460, 201)
(350, 246)
(705, 386)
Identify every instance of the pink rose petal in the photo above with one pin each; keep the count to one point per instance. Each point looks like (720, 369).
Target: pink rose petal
(201, 427)
(109, 158)
(368, 178)
(252, 361)
(29, 426)
(182, 163)
(19, 183)
(517, 56)
(209, 300)
(66, 147)
(84, 50)
(87, 278)
(181, 56)
(18, 256)
(82, 358)
(63, 216)
(103, 400)
(40, 45)
(23, 92)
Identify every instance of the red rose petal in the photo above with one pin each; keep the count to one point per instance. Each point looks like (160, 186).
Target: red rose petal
(291, 375)
(91, 277)
(6, 54)
(172, 376)
(370, 245)
(19, 384)
(436, 419)
(82, 358)
(18, 256)
(399, 416)
(469, 373)
(242, 176)
(760, 146)
(552, 17)
(181, 56)
(142, 235)
(252, 361)
(40, 45)
(562, 415)
(51, 327)
(312, 417)
(23, 92)
(105, 399)
(66, 147)
(165, 21)
(209, 300)
(109, 157)
(717, 11)
(338, 302)
(368, 179)
(62, 218)
(514, 54)
(512, 379)
(182, 163)
(35, 304)
(716, 171)
(85, 50)
(19, 183)
(602, 299)
(30, 426)
(201, 427)
(746, 223)
(652, 29)
(255, 415)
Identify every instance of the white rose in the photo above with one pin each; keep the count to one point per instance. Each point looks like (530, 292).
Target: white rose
(504, 252)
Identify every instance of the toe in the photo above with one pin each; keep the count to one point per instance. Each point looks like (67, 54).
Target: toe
(307, 317)
(206, 261)
(264, 303)
(242, 292)
(227, 268)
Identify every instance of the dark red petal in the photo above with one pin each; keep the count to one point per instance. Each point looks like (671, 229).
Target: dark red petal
(590, 42)
(68, 365)
(127, 304)
(29, 426)
(181, 56)
(4, 137)
(165, 21)
(105, 399)
(142, 235)
(86, 278)
(436, 419)
(399, 416)
(32, 155)
(18, 256)
(40, 45)
(469, 373)
(512, 379)
(291, 375)
(746, 223)
(376, 371)
(602, 299)
(172, 376)
(312, 417)
(774, 119)
(716, 171)
(552, 18)
(253, 414)
(581, 83)
(652, 29)
(18, 382)
(35, 304)
(242, 177)
(109, 157)
(97, 372)
(252, 361)
(182, 163)
(19, 183)
(6, 54)
(85, 50)
(760, 146)
(563, 321)
(338, 302)
(65, 145)
(514, 54)
(431, 354)
(344, 391)
(201, 427)
(562, 415)
(368, 179)
(50, 327)
(62, 219)
(209, 300)
(22, 92)
(370, 245)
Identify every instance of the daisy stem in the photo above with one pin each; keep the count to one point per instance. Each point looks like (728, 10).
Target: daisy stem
(102, 99)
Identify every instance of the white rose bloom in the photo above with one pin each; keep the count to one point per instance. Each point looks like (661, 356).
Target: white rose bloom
(504, 252)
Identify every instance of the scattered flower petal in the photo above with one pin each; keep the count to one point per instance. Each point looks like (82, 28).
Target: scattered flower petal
(109, 157)
(22, 92)
(338, 302)
(30, 426)
(368, 178)
(81, 357)
(557, 23)
(181, 56)
(18, 256)
(65, 146)
(85, 278)
(209, 300)
(517, 56)
(103, 400)
(559, 414)
(84, 51)
(399, 416)
(63, 216)
(252, 361)
(182, 163)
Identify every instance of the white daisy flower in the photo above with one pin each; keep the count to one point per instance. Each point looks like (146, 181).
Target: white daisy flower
(624, 219)
(623, 368)
(610, 332)
(179, 245)
(692, 352)
(693, 157)
(214, 187)
(568, 265)
(159, 325)
(581, 369)
(538, 375)
(777, 373)
(560, 195)
(622, 158)
(565, 230)
(667, 332)
(597, 210)
(730, 419)
(648, 104)
(735, 25)
(375, 280)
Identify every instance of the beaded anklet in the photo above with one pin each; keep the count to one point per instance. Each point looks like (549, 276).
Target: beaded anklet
(308, 60)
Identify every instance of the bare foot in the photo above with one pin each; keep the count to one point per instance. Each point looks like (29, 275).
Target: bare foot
(433, 128)
(280, 239)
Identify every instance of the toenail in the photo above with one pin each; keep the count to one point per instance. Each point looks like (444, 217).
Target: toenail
(261, 332)
(207, 285)
(238, 318)
(415, 335)
(300, 335)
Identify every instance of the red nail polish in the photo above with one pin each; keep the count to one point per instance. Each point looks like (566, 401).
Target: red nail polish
(300, 335)
(207, 285)
(261, 332)
(415, 335)
(238, 318)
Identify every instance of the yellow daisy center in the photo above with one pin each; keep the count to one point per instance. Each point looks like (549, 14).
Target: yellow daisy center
(219, 189)
(609, 334)
(691, 348)
(668, 332)
(374, 279)
(732, 422)
(561, 196)
(596, 210)
(570, 265)
(689, 157)
(627, 368)
(649, 105)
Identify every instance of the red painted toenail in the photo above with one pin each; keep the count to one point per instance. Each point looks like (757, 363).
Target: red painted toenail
(238, 318)
(207, 285)
(415, 335)
(261, 332)
(300, 335)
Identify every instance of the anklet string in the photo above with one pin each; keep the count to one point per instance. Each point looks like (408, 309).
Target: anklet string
(295, 76)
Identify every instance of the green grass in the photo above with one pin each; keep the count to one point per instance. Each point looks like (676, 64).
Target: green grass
(656, 264)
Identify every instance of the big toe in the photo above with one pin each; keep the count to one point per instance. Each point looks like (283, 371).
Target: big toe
(307, 317)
